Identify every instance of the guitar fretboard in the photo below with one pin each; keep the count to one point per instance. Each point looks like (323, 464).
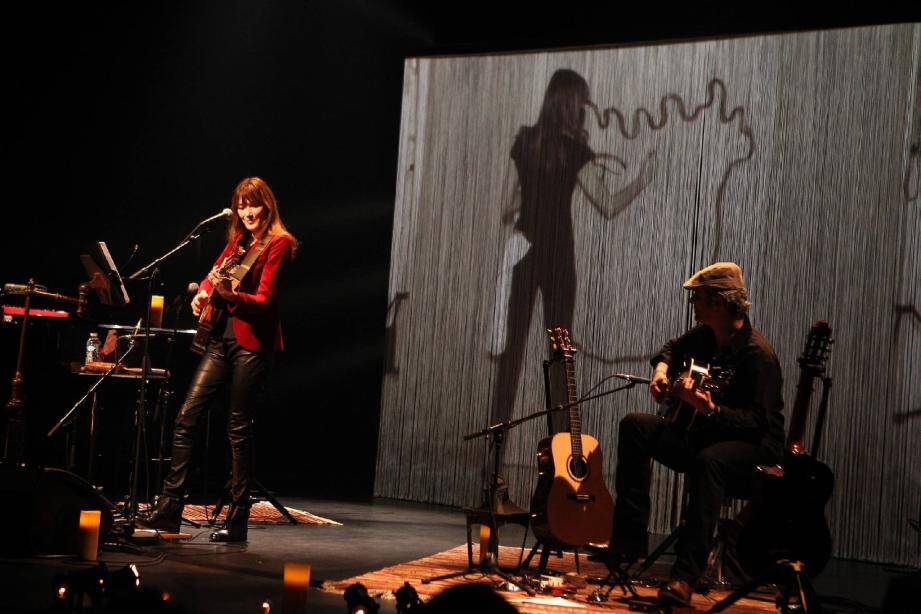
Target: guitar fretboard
(575, 419)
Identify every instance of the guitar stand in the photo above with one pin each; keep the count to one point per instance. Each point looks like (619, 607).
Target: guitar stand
(546, 549)
(618, 577)
(257, 491)
(650, 560)
(794, 583)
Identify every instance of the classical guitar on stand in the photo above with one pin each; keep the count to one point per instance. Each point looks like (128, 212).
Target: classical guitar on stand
(571, 504)
(788, 507)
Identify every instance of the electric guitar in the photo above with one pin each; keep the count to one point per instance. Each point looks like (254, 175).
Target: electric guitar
(215, 307)
(788, 507)
(571, 504)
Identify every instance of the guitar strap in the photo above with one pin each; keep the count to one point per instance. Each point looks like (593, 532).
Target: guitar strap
(239, 272)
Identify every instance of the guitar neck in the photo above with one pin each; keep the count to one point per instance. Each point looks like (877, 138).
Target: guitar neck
(795, 443)
(575, 419)
(812, 365)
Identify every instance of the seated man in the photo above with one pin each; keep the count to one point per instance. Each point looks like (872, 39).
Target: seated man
(733, 429)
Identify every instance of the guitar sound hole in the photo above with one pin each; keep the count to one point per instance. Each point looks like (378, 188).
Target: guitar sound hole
(578, 467)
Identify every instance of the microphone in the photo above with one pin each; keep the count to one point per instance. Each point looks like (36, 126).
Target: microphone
(633, 379)
(190, 291)
(226, 213)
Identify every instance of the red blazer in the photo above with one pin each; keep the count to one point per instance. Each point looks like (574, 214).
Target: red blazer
(255, 314)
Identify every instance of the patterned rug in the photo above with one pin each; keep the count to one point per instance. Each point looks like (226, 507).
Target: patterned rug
(262, 512)
(383, 582)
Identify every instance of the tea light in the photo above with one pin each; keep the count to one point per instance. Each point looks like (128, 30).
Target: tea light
(297, 580)
(89, 534)
(156, 310)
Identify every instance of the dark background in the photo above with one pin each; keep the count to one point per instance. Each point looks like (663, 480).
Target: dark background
(130, 122)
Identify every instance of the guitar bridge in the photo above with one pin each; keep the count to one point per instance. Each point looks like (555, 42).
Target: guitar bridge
(582, 498)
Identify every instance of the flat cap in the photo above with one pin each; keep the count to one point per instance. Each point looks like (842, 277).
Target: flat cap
(717, 276)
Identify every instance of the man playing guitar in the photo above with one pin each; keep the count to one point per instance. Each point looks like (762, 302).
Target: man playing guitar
(733, 430)
(237, 353)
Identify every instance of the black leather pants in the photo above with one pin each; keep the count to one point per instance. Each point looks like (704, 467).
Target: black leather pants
(225, 363)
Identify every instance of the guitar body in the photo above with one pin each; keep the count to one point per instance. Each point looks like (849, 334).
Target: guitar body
(213, 311)
(571, 504)
(712, 379)
(788, 517)
(211, 314)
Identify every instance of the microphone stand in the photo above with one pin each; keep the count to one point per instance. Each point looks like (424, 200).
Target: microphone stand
(490, 564)
(131, 505)
(66, 418)
(152, 271)
(192, 236)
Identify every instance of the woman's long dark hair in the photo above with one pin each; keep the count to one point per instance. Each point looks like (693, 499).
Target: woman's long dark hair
(255, 191)
(562, 117)
(563, 110)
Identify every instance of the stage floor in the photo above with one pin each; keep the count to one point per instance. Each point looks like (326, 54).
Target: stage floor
(202, 577)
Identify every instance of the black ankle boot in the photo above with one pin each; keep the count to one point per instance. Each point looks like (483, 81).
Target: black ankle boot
(165, 515)
(234, 527)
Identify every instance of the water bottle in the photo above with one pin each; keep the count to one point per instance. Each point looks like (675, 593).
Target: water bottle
(92, 348)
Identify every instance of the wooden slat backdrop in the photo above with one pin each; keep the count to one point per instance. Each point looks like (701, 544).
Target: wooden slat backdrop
(801, 164)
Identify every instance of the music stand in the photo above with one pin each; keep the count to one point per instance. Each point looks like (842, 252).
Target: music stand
(104, 276)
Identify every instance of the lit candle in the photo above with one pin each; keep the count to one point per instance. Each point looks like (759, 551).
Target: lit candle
(89, 534)
(156, 310)
(297, 579)
(485, 539)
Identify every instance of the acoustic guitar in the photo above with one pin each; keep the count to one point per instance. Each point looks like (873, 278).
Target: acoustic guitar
(571, 504)
(215, 307)
(788, 507)
(711, 378)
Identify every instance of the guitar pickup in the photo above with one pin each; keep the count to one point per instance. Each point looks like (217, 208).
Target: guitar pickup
(582, 498)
